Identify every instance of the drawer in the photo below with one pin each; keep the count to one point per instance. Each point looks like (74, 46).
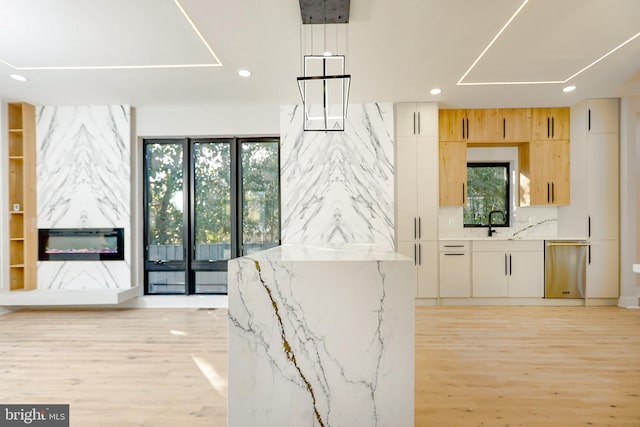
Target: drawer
(508, 245)
(453, 246)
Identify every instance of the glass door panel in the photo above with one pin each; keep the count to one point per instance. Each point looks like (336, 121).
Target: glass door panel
(212, 215)
(165, 217)
(260, 195)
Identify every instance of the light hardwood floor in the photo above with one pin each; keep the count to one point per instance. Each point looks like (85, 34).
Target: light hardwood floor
(475, 366)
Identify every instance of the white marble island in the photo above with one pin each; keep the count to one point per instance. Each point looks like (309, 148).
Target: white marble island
(321, 336)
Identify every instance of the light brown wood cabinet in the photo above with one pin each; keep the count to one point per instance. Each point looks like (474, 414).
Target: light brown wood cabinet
(544, 173)
(541, 134)
(486, 126)
(550, 123)
(452, 125)
(453, 173)
(516, 124)
(23, 235)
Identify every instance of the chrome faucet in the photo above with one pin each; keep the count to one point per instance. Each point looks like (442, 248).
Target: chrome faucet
(491, 230)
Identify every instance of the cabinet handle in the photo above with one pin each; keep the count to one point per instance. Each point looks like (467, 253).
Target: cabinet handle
(419, 254)
(548, 127)
(589, 225)
(510, 266)
(463, 194)
(504, 128)
(589, 254)
(505, 264)
(419, 227)
(463, 137)
(419, 123)
(414, 122)
(415, 254)
(553, 192)
(548, 193)
(589, 110)
(454, 246)
(453, 254)
(553, 127)
(467, 128)
(414, 227)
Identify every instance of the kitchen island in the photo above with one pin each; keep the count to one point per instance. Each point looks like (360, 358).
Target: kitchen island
(321, 336)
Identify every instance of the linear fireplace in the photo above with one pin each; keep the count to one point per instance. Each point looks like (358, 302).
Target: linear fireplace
(81, 244)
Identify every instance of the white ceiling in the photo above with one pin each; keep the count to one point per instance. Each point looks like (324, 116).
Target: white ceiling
(397, 50)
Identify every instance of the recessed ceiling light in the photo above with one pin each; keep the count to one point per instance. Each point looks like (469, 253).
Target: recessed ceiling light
(244, 73)
(18, 77)
(436, 91)
(569, 89)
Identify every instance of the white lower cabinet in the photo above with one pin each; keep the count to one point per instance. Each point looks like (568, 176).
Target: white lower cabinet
(455, 269)
(508, 268)
(425, 258)
(602, 269)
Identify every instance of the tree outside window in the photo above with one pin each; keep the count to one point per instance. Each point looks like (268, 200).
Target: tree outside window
(488, 190)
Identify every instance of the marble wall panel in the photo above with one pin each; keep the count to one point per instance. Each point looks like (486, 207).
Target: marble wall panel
(84, 181)
(338, 187)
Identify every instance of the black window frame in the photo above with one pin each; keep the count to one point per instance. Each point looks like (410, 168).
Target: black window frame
(236, 201)
(507, 213)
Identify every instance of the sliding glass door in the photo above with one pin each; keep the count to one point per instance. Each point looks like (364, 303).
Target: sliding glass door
(207, 201)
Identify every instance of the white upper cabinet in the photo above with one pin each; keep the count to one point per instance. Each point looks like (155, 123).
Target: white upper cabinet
(416, 119)
(602, 115)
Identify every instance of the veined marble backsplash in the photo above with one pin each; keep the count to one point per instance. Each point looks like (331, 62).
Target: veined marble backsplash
(84, 180)
(337, 187)
(526, 222)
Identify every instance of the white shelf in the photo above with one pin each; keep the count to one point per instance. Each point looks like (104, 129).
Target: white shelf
(44, 298)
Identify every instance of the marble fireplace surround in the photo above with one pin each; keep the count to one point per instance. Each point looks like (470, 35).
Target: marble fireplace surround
(84, 181)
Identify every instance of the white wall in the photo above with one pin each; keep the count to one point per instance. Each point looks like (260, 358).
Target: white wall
(629, 199)
(207, 120)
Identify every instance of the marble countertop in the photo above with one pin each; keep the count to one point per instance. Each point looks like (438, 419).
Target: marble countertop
(512, 238)
(345, 252)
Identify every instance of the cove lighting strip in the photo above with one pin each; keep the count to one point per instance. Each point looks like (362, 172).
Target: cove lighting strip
(461, 83)
(217, 62)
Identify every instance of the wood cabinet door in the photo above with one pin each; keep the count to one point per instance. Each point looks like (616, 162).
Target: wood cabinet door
(516, 124)
(452, 125)
(453, 173)
(560, 172)
(544, 173)
(484, 125)
(550, 123)
(560, 123)
(540, 172)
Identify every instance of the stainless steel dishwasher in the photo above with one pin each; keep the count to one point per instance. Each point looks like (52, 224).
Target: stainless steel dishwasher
(565, 265)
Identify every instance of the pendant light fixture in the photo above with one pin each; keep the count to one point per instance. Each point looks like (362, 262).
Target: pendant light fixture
(324, 85)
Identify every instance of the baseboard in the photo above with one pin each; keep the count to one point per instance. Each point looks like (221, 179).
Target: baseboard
(178, 301)
(628, 302)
